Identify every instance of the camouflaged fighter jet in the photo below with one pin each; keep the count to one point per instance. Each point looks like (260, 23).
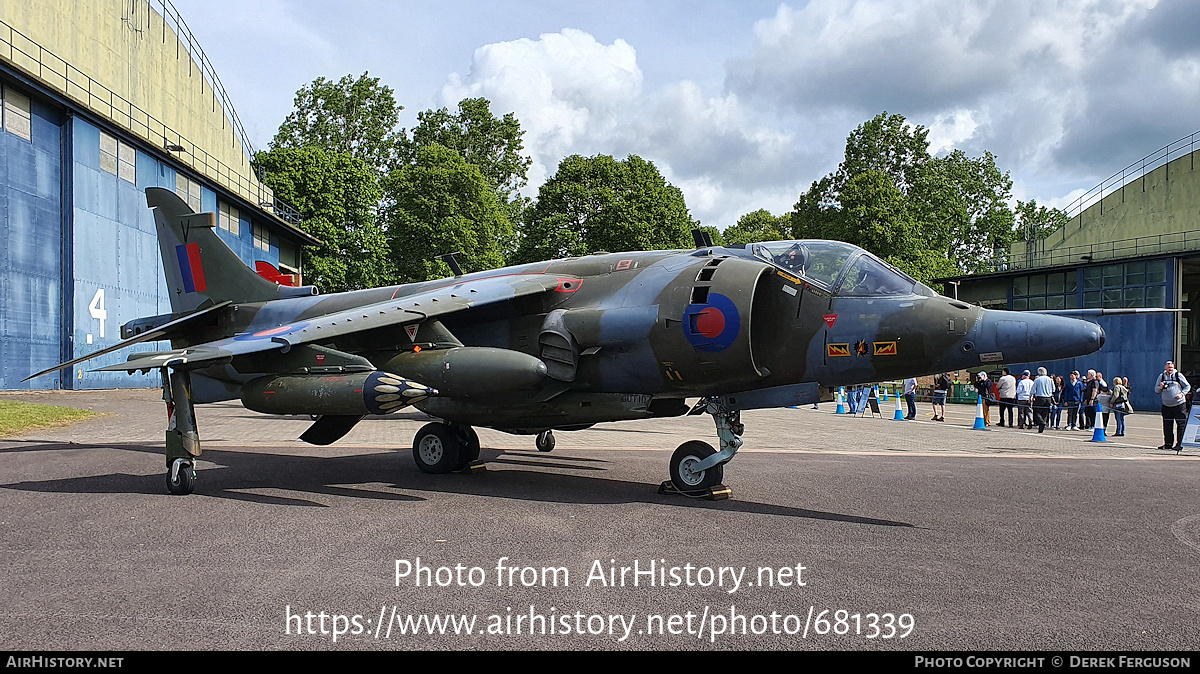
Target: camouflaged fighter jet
(558, 345)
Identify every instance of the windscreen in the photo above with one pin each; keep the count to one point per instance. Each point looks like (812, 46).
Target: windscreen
(816, 260)
(868, 275)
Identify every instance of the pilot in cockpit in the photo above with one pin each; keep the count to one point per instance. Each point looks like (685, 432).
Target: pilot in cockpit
(794, 258)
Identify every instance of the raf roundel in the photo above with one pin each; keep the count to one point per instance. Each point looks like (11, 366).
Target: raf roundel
(712, 326)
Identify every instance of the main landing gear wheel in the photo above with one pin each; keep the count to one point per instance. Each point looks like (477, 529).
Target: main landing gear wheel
(468, 442)
(545, 441)
(686, 478)
(436, 448)
(181, 479)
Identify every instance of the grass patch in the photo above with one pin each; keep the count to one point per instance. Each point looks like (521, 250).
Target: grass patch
(16, 417)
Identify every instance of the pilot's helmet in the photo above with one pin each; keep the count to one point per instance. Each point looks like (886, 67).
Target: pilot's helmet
(796, 256)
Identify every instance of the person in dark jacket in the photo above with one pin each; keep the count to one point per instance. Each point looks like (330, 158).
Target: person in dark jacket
(1056, 411)
(1072, 395)
(983, 387)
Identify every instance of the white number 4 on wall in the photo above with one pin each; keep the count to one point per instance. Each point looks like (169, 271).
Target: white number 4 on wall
(96, 309)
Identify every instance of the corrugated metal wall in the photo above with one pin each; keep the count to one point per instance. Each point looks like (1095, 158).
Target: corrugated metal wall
(1135, 346)
(117, 274)
(31, 250)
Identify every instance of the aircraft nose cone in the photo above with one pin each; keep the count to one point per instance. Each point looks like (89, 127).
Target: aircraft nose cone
(1027, 337)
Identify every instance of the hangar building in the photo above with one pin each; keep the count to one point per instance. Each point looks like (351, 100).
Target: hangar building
(100, 100)
(1133, 241)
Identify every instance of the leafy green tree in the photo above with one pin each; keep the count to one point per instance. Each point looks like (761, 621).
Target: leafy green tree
(1038, 222)
(962, 203)
(714, 235)
(441, 204)
(336, 195)
(597, 203)
(758, 226)
(354, 117)
(930, 216)
(494, 145)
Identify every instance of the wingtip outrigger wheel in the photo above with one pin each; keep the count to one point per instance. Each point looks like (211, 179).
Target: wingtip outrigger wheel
(545, 441)
(181, 479)
(182, 438)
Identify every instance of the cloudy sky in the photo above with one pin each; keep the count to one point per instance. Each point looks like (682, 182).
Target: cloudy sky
(742, 104)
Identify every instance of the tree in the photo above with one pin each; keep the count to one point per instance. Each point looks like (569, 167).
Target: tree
(354, 117)
(714, 235)
(493, 145)
(758, 226)
(930, 216)
(963, 205)
(441, 204)
(1037, 222)
(597, 203)
(336, 194)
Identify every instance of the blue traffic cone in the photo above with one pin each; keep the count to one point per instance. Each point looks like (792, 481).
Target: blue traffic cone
(899, 414)
(883, 394)
(841, 401)
(979, 425)
(1098, 434)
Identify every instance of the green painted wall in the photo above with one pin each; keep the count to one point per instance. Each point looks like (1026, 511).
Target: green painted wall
(1158, 208)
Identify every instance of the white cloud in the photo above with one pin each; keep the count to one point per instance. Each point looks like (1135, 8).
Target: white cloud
(574, 95)
(1057, 91)
(565, 88)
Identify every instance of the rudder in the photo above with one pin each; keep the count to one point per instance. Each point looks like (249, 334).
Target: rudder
(199, 266)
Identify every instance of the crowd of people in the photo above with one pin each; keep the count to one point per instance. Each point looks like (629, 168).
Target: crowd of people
(1074, 402)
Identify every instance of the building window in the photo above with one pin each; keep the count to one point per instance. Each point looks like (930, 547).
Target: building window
(108, 153)
(1133, 284)
(262, 237)
(1057, 290)
(188, 190)
(228, 219)
(289, 256)
(126, 162)
(118, 157)
(1113, 286)
(17, 119)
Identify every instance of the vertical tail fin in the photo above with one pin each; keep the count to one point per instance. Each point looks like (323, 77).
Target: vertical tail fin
(199, 266)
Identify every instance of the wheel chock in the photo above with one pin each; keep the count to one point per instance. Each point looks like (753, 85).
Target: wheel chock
(719, 492)
(475, 467)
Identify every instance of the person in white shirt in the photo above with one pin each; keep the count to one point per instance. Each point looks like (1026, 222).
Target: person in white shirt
(1025, 401)
(910, 397)
(1007, 390)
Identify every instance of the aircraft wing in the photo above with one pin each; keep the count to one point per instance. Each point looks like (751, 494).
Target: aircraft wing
(163, 331)
(410, 309)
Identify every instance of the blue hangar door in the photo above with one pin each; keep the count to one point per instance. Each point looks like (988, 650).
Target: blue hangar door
(31, 240)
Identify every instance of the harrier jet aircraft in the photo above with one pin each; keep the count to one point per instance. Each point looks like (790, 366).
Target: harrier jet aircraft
(558, 345)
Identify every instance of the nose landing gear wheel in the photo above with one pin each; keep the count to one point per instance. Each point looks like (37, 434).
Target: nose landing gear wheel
(683, 473)
(545, 441)
(436, 448)
(181, 479)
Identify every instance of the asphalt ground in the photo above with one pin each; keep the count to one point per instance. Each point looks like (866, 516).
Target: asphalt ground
(959, 539)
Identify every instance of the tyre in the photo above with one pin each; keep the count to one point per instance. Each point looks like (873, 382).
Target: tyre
(545, 441)
(185, 479)
(685, 477)
(436, 448)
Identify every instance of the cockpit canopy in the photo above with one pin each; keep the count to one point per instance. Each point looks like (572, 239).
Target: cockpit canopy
(839, 267)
